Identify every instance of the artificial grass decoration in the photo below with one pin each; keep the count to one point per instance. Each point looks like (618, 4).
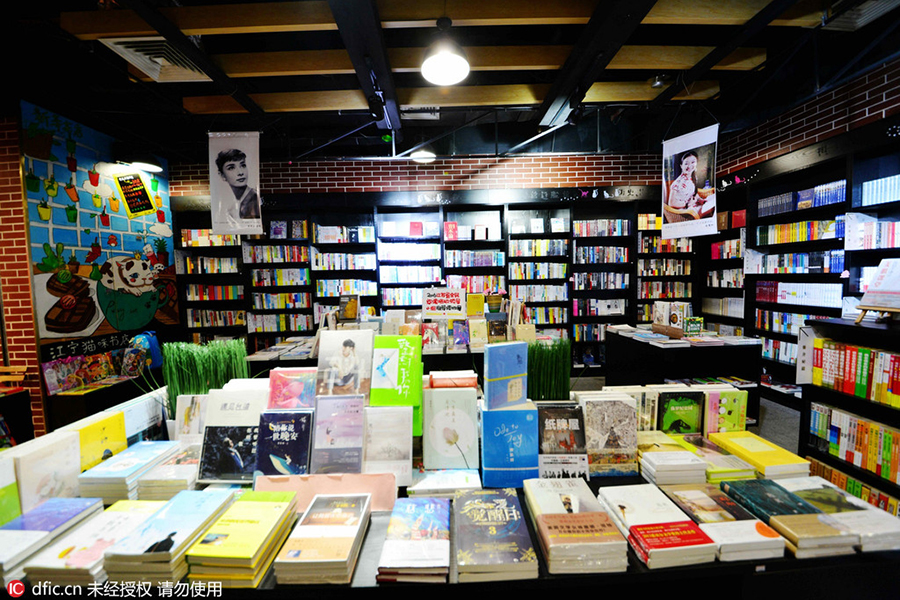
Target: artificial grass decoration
(549, 369)
(196, 369)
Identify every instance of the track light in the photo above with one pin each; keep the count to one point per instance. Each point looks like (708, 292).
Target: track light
(445, 61)
(658, 82)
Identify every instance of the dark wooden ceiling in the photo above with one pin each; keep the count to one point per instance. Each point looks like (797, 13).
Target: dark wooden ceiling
(305, 73)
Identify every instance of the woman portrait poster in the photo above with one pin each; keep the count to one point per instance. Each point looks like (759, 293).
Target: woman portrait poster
(234, 182)
(688, 186)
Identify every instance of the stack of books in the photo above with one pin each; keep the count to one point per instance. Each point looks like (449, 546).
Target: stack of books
(737, 533)
(575, 533)
(239, 547)
(877, 529)
(325, 544)
(491, 536)
(660, 534)
(663, 468)
(76, 558)
(177, 474)
(24, 536)
(769, 460)
(443, 483)
(116, 479)
(720, 464)
(417, 546)
(809, 531)
(154, 552)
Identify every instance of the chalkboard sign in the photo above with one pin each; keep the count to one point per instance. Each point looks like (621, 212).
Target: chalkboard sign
(137, 200)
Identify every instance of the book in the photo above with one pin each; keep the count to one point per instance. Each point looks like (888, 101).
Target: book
(278, 230)
(610, 422)
(474, 304)
(451, 231)
(563, 451)
(292, 387)
(338, 434)
(443, 483)
(397, 374)
(537, 225)
(509, 445)
(175, 474)
(190, 417)
(345, 362)
(299, 229)
(767, 458)
(450, 432)
(10, 508)
(325, 544)
(284, 441)
(102, 437)
(47, 467)
(478, 334)
(505, 374)
(417, 541)
(416, 229)
(721, 464)
(388, 446)
(116, 478)
(725, 409)
(680, 411)
(230, 435)
(491, 536)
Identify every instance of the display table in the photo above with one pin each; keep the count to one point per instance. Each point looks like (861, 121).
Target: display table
(634, 362)
(457, 361)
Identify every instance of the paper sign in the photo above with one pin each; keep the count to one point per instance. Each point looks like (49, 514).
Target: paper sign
(444, 303)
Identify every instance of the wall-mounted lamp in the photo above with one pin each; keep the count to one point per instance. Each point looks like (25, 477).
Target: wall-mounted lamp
(445, 61)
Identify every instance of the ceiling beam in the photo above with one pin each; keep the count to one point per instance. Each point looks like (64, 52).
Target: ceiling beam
(274, 17)
(610, 26)
(453, 96)
(759, 21)
(360, 29)
(481, 58)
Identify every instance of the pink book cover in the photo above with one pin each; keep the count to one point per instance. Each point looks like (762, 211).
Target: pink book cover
(292, 388)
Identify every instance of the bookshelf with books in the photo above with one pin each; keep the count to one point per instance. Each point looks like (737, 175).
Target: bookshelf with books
(280, 285)
(474, 248)
(538, 243)
(343, 257)
(793, 261)
(665, 267)
(602, 278)
(850, 412)
(409, 254)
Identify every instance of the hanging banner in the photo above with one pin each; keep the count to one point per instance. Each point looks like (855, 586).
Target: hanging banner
(234, 181)
(688, 190)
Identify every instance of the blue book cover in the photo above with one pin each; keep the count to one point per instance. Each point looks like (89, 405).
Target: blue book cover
(166, 533)
(505, 374)
(130, 462)
(284, 440)
(509, 449)
(53, 513)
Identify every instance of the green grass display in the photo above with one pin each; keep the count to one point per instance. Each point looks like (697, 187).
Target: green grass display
(196, 369)
(549, 369)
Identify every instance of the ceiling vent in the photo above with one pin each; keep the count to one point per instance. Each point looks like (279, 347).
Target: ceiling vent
(858, 17)
(158, 59)
(420, 113)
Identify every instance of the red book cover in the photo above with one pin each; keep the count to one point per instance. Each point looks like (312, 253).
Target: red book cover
(415, 229)
(738, 218)
(451, 231)
(852, 371)
(662, 536)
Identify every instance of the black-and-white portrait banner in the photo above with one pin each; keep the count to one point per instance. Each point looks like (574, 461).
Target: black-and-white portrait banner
(234, 182)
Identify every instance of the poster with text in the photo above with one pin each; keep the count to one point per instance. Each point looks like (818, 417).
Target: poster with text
(234, 182)
(688, 189)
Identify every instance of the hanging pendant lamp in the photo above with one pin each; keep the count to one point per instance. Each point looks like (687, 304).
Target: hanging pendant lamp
(445, 61)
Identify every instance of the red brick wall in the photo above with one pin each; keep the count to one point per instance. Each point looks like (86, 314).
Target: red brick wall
(15, 274)
(863, 100)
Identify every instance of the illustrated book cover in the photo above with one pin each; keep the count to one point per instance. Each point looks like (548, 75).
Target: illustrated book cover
(418, 537)
(388, 446)
(450, 431)
(611, 435)
(283, 445)
(505, 374)
(292, 387)
(397, 374)
(230, 435)
(338, 434)
(509, 448)
(562, 436)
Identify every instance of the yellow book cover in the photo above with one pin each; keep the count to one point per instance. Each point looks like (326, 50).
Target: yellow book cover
(241, 535)
(475, 305)
(101, 439)
(768, 458)
(818, 346)
(811, 530)
(657, 441)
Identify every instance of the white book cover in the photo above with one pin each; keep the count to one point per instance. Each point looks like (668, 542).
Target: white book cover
(143, 412)
(47, 467)
(15, 545)
(674, 461)
(83, 548)
(450, 431)
(444, 482)
(388, 442)
(190, 417)
(640, 504)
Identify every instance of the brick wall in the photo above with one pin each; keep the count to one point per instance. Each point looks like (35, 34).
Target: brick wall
(15, 275)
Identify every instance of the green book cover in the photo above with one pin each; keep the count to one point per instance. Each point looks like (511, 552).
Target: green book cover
(9, 492)
(397, 374)
(680, 412)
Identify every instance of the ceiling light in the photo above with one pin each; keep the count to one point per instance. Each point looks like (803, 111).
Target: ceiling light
(658, 81)
(143, 162)
(423, 156)
(445, 62)
(146, 166)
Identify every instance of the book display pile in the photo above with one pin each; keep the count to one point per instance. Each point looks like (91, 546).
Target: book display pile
(417, 546)
(117, 478)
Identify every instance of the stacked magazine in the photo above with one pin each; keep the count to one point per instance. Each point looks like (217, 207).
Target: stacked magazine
(117, 478)
(325, 544)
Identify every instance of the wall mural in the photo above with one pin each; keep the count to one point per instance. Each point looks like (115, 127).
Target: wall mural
(101, 247)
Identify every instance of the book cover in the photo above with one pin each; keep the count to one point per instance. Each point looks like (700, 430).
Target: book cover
(10, 508)
(284, 441)
(509, 448)
(475, 305)
(537, 225)
(292, 387)
(167, 532)
(101, 439)
(461, 334)
(397, 374)
(725, 410)
(388, 444)
(230, 435)
(345, 362)
(431, 229)
(478, 333)
(348, 308)
(611, 435)
(669, 536)
(451, 231)
(505, 374)
(497, 328)
(706, 503)
(416, 229)
(338, 434)
(561, 429)
(721, 464)
(182, 467)
(766, 499)
(558, 225)
(54, 513)
(639, 504)
(680, 412)
(418, 535)
(299, 229)
(768, 459)
(190, 417)
(129, 463)
(491, 534)
(450, 432)
(278, 230)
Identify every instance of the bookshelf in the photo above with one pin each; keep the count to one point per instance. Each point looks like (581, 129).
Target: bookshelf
(408, 250)
(474, 252)
(539, 243)
(602, 278)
